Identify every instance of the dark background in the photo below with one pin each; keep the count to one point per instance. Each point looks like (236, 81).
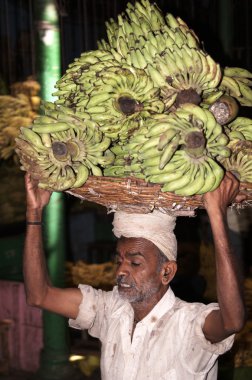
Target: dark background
(82, 23)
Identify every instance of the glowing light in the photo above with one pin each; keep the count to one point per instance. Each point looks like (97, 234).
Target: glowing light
(74, 358)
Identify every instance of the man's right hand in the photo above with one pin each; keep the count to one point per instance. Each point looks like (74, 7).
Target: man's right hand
(36, 198)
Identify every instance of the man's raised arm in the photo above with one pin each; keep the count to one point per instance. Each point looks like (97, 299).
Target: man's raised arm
(230, 318)
(39, 290)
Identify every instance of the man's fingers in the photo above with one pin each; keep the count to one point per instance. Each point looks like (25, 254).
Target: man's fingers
(241, 197)
(233, 181)
(27, 177)
(30, 181)
(230, 176)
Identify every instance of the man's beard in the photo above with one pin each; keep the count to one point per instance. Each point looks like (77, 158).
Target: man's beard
(134, 294)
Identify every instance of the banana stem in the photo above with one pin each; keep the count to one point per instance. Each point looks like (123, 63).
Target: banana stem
(195, 143)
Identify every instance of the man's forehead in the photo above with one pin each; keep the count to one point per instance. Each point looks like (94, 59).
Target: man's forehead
(131, 254)
(135, 246)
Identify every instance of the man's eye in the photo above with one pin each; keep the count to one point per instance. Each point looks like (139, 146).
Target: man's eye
(135, 263)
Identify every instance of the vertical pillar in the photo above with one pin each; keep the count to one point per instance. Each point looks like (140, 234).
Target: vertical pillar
(226, 25)
(54, 362)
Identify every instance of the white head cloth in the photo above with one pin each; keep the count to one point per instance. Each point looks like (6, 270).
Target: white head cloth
(156, 227)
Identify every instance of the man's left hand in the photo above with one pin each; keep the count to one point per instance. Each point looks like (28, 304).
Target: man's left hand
(225, 194)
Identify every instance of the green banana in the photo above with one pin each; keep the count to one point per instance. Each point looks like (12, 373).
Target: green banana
(215, 133)
(196, 183)
(81, 177)
(183, 180)
(221, 151)
(114, 171)
(212, 97)
(157, 78)
(51, 128)
(32, 137)
(149, 153)
(169, 151)
(237, 72)
(232, 86)
(209, 179)
(46, 139)
(246, 92)
(150, 163)
(165, 138)
(44, 119)
(96, 171)
(157, 129)
(162, 176)
(191, 109)
(236, 135)
(150, 143)
(95, 100)
(217, 170)
(101, 146)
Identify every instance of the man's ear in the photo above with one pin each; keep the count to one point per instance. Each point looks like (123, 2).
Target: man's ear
(168, 272)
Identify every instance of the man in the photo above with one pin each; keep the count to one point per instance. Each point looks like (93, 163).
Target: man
(146, 332)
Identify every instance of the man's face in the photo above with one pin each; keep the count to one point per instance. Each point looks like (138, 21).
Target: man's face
(138, 275)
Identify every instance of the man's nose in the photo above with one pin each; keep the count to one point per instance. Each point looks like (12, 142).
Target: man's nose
(122, 269)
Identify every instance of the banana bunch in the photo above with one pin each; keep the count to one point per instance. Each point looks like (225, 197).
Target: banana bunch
(150, 102)
(120, 99)
(80, 77)
(237, 82)
(16, 106)
(125, 167)
(14, 113)
(184, 74)
(60, 150)
(9, 133)
(215, 144)
(127, 160)
(30, 88)
(16, 110)
(240, 161)
(190, 127)
(142, 32)
(182, 151)
(186, 176)
(115, 97)
(167, 50)
(179, 151)
(240, 129)
(12, 193)
(97, 275)
(158, 143)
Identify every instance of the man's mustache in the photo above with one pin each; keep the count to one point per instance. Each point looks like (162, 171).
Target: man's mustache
(120, 280)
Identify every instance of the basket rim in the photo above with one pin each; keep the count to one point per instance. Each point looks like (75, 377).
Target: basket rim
(132, 194)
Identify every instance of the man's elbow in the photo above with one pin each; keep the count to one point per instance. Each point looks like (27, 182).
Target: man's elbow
(236, 326)
(35, 300)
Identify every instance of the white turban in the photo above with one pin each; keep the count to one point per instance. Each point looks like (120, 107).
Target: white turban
(156, 227)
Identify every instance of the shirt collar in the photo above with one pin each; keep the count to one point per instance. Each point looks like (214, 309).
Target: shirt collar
(163, 306)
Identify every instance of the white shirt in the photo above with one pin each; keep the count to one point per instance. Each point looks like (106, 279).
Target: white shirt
(168, 344)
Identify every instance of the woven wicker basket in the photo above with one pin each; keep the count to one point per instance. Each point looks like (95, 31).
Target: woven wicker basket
(138, 196)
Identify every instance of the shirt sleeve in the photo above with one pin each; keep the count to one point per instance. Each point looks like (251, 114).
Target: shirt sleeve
(198, 354)
(93, 310)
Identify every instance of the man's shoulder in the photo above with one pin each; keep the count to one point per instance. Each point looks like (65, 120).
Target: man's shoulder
(192, 308)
